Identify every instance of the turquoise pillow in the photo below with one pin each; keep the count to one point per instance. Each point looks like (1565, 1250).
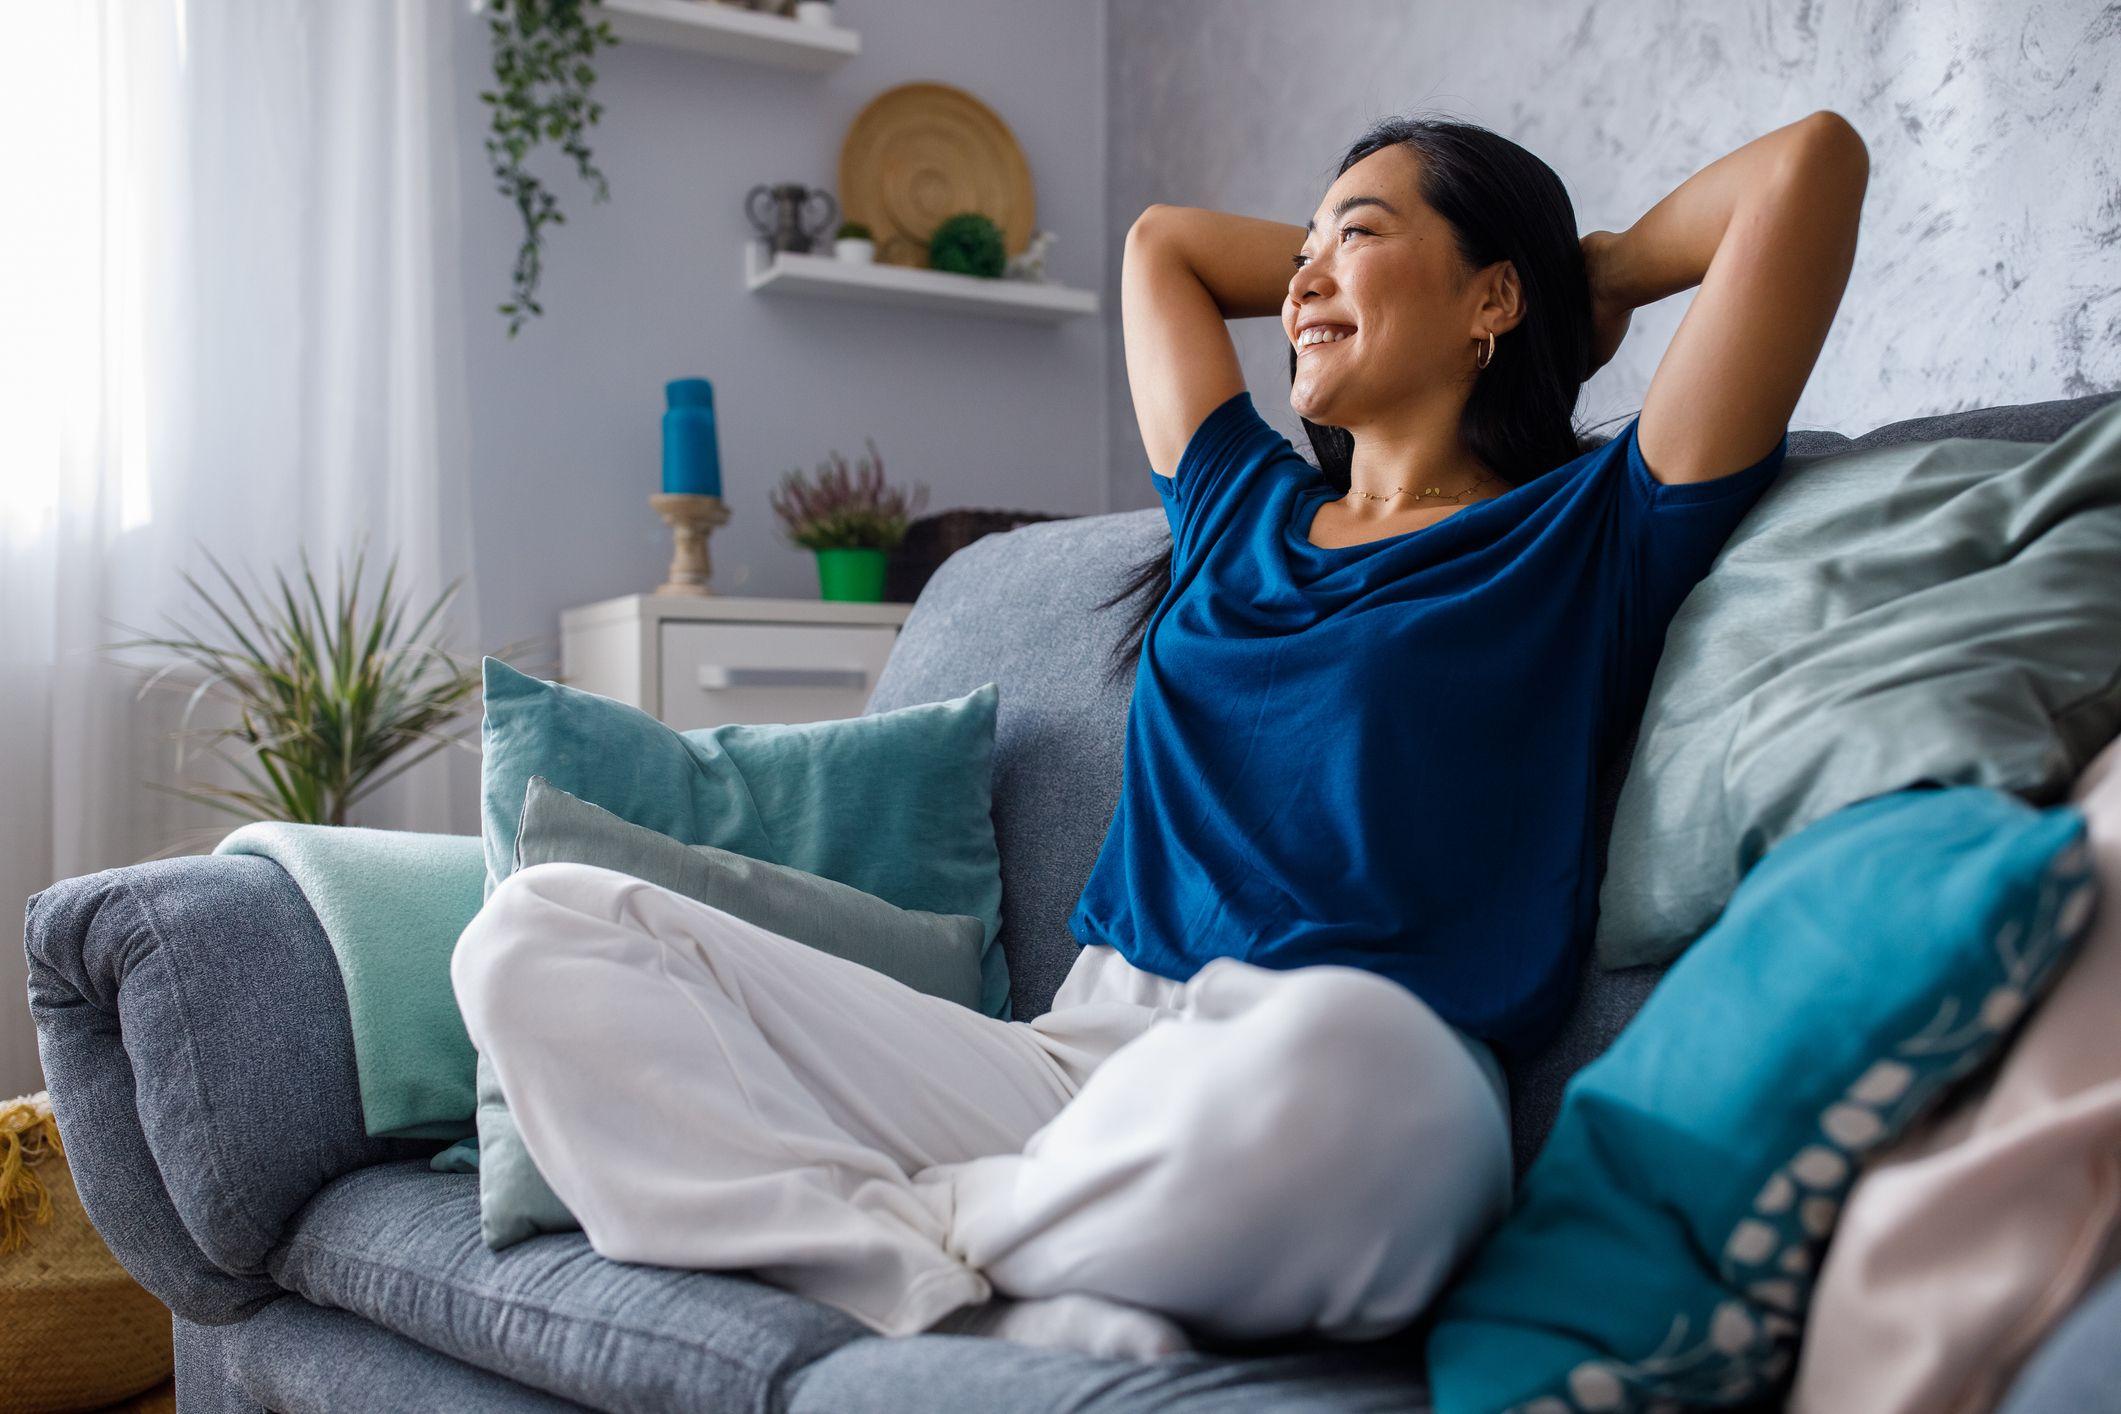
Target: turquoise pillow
(1662, 1248)
(897, 804)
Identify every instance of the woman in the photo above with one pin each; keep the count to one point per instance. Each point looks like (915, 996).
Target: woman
(1352, 862)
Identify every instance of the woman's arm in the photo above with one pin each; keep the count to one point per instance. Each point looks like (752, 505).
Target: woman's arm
(1185, 271)
(1769, 233)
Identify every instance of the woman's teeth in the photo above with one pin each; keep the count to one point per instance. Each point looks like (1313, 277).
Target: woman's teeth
(1321, 335)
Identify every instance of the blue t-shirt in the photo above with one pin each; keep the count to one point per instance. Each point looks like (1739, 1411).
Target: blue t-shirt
(1384, 755)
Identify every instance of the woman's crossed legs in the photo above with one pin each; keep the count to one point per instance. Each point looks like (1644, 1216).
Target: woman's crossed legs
(1254, 1152)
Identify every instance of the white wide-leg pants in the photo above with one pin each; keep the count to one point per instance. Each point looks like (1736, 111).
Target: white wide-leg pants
(1254, 1152)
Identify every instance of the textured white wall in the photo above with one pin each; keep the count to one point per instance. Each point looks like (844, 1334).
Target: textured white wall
(1988, 270)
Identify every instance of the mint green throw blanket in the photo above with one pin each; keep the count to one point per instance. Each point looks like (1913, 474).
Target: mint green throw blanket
(392, 904)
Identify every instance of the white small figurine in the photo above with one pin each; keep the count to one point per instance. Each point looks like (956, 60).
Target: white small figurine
(1031, 265)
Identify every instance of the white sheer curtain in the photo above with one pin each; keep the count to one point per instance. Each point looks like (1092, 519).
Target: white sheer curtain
(231, 321)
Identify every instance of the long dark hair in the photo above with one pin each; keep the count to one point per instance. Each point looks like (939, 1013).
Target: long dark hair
(1502, 203)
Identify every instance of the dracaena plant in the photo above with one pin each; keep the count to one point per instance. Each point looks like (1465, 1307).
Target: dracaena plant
(331, 700)
(843, 509)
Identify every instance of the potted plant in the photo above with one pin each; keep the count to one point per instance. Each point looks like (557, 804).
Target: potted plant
(331, 700)
(814, 12)
(968, 244)
(854, 244)
(851, 520)
(544, 71)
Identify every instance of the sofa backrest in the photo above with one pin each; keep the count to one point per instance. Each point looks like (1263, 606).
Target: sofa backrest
(1021, 609)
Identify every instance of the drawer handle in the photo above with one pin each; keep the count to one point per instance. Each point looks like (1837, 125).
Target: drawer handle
(715, 676)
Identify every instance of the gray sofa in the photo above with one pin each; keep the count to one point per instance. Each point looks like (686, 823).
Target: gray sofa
(194, 1035)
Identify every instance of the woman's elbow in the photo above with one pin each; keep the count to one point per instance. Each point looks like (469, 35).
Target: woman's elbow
(1832, 140)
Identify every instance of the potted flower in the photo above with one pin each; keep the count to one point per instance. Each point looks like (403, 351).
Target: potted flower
(851, 520)
(853, 243)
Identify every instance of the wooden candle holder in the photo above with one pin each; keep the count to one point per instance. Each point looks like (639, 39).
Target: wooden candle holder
(692, 519)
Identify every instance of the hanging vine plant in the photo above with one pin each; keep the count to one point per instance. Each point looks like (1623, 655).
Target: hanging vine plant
(543, 76)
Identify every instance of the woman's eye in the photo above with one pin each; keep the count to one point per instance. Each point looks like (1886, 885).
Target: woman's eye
(1298, 259)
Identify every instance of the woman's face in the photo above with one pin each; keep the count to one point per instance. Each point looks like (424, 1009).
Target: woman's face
(1381, 267)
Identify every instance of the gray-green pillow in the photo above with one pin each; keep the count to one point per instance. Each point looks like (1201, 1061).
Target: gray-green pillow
(1945, 611)
(935, 953)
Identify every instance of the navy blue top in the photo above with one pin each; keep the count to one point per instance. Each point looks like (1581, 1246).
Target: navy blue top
(1384, 755)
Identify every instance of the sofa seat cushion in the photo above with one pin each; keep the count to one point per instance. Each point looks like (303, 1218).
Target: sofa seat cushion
(399, 1244)
(301, 1358)
(968, 1374)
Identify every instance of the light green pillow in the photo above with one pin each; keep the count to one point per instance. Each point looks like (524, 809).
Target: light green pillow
(897, 804)
(935, 953)
(1945, 612)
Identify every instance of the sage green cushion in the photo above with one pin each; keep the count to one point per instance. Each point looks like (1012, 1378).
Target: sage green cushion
(935, 953)
(1944, 612)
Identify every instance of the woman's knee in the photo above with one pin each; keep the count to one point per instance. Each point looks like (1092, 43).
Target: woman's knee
(1363, 1088)
(522, 924)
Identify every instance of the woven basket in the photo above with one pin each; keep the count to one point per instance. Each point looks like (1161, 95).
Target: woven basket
(76, 1331)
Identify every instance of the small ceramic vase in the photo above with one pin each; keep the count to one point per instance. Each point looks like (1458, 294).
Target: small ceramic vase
(855, 250)
(813, 12)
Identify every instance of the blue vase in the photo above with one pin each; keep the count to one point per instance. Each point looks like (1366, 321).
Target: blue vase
(691, 464)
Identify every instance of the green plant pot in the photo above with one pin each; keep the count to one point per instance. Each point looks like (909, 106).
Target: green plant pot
(856, 575)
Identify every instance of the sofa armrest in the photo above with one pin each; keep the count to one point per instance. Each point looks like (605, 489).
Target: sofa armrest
(195, 1039)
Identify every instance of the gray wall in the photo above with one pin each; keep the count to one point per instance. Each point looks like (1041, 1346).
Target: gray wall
(649, 286)
(1989, 266)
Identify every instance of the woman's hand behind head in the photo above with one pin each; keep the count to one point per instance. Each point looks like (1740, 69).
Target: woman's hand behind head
(1609, 313)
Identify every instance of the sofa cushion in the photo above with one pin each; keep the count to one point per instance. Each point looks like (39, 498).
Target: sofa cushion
(1945, 611)
(957, 1374)
(399, 1244)
(1662, 1247)
(300, 1358)
(896, 804)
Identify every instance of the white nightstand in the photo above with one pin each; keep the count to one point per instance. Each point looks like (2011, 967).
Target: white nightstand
(705, 662)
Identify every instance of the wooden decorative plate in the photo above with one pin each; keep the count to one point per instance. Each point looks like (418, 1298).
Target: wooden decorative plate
(922, 152)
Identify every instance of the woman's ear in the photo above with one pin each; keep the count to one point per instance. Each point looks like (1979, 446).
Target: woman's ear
(1502, 304)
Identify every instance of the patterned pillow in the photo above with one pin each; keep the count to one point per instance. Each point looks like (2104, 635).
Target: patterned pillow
(1663, 1245)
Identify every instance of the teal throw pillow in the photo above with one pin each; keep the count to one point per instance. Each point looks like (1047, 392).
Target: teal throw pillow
(1662, 1248)
(897, 804)
(935, 953)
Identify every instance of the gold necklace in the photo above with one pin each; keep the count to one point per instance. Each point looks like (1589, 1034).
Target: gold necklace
(1425, 491)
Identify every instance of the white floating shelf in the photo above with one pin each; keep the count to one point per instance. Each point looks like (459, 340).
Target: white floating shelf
(825, 276)
(710, 27)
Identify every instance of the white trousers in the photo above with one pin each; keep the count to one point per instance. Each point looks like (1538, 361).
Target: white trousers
(1254, 1152)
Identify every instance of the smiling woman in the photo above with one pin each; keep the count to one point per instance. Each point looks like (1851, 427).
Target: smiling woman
(1474, 312)
(1373, 697)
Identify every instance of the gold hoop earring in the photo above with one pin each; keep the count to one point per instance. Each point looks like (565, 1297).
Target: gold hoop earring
(1483, 363)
